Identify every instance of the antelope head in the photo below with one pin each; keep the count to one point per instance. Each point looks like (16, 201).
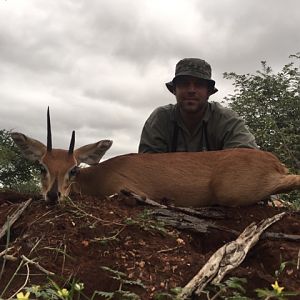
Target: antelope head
(59, 167)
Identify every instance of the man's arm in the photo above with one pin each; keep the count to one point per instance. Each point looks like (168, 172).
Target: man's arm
(236, 134)
(154, 137)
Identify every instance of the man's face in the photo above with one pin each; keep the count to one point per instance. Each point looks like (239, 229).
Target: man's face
(191, 93)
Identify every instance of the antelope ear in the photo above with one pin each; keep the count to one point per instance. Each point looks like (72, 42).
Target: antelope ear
(92, 153)
(30, 148)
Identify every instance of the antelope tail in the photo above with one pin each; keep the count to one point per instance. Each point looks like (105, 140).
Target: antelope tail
(288, 183)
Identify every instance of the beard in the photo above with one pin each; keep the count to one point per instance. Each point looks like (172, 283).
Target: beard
(192, 106)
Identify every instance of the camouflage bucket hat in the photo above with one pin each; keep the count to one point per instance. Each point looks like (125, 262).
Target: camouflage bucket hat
(195, 67)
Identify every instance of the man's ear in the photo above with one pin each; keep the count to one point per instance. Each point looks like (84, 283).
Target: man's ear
(30, 148)
(92, 153)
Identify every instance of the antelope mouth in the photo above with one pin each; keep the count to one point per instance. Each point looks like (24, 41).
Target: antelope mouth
(52, 198)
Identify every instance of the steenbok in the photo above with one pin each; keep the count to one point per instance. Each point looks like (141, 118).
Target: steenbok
(232, 177)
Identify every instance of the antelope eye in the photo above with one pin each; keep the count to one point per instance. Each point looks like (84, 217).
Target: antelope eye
(74, 171)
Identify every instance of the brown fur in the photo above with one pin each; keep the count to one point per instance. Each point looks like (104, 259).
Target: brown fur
(58, 162)
(232, 177)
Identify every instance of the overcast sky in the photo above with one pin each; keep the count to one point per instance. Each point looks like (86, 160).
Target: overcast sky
(101, 66)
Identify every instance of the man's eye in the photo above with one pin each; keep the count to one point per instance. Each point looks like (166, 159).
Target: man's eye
(201, 83)
(182, 82)
(74, 171)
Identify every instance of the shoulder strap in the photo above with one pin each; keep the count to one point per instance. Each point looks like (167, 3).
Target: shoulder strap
(174, 138)
(205, 143)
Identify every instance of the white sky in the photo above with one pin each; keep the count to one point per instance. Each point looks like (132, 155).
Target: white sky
(101, 65)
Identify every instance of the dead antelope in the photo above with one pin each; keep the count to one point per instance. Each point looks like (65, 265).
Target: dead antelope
(232, 177)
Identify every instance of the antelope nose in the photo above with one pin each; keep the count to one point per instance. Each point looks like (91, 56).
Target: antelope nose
(52, 197)
(53, 194)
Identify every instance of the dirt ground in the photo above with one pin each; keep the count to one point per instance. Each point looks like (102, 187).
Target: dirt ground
(89, 240)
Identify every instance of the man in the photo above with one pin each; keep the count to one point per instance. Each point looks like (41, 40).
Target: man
(193, 124)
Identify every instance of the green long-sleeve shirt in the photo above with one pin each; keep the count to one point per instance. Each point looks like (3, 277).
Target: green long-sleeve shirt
(223, 129)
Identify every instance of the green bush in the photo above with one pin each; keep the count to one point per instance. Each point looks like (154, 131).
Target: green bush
(270, 104)
(16, 172)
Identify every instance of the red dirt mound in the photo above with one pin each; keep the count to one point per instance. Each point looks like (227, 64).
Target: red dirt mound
(91, 240)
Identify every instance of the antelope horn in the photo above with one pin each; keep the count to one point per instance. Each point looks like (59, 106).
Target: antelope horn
(72, 143)
(49, 136)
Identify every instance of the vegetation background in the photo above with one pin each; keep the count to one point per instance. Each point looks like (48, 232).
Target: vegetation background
(270, 104)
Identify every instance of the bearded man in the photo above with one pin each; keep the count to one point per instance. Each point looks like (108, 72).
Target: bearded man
(193, 123)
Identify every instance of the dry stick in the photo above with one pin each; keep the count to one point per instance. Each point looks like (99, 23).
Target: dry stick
(36, 244)
(113, 237)
(17, 270)
(202, 212)
(238, 253)
(42, 216)
(15, 216)
(6, 247)
(298, 260)
(24, 284)
(11, 279)
(281, 236)
(5, 251)
(186, 222)
(37, 265)
(10, 257)
(8, 224)
(217, 294)
(143, 199)
(227, 258)
(190, 211)
(168, 250)
(64, 258)
(92, 216)
(191, 224)
(58, 250)
(26, 265)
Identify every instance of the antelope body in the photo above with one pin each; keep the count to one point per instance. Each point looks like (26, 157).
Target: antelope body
(233, 177)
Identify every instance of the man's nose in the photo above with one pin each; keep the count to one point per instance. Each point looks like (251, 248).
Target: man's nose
(191, 87)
